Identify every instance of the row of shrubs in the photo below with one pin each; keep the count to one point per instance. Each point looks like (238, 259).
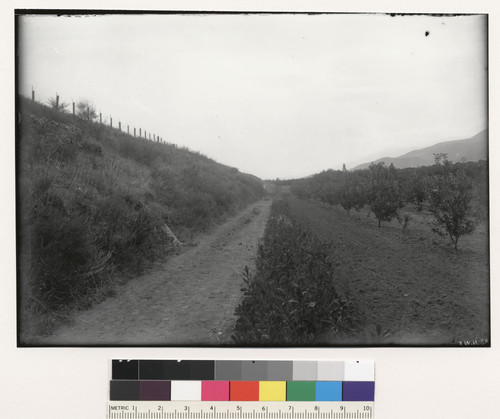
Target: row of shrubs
(93, 204)
(292, 298)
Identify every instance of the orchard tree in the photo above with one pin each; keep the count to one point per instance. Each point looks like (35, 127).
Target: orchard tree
(352, 192)
(385, 192)
(450, 196)
(328, 189)
(414, 186)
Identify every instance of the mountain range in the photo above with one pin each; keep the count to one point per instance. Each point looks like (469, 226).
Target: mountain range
(470, 149)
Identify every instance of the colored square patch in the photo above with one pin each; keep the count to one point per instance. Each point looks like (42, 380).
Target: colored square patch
(305, 370)
(124, 390)
(186, 390)
(280, 371)
(228, 370)
(155, 390)
(358, 391)
(125, 370)
(244, 391)
(215, 390)
(329, 391)
(272, 391)
(254, 370)
(331, 371)
(301, 391)
(359, 371)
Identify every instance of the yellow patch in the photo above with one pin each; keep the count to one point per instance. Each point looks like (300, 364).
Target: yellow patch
(271, 391)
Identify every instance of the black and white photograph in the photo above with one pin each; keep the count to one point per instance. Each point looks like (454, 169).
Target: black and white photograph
(252, 179)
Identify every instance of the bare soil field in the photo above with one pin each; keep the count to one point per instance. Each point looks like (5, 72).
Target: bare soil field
(189, 300)
(407, 288)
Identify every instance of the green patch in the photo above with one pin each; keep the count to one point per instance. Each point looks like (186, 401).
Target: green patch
(301, 391)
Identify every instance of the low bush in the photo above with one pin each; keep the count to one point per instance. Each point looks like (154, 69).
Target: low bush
(292, 298)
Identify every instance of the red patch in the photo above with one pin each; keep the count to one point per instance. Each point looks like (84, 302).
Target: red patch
(244, 391)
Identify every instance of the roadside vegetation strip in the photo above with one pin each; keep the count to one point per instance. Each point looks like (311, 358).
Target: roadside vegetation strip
(292, 298)
(94, 205)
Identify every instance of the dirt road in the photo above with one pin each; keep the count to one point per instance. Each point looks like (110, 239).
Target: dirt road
(190, 300)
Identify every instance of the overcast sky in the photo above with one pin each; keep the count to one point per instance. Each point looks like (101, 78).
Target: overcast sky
(273, 95)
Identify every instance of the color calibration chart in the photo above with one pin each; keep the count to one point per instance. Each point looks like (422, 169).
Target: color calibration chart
(241, 389)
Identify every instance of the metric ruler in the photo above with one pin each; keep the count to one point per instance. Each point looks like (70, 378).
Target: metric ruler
(239, 410)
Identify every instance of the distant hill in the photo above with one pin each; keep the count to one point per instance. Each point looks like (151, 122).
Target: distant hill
(471, 149)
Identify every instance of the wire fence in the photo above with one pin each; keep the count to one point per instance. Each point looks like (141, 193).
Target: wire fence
(87, 111)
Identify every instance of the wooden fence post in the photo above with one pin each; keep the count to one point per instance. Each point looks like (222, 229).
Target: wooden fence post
(120, 126)
(140, 132)
(57, 101)
(134, 132)
(73, 108)
(32, 94)
(88, 113)
(111, 121)
(100, 117)
(128, 131)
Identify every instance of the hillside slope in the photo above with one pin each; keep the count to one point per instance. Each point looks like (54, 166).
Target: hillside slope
(470, 149)
(94, 203)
